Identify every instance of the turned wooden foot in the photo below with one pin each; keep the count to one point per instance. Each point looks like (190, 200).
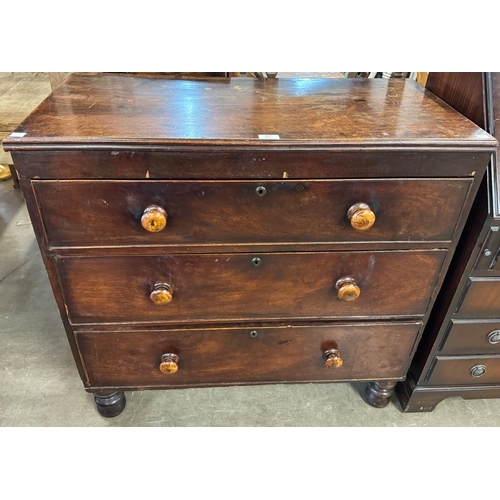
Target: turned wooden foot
(378, 394)
(110, 405)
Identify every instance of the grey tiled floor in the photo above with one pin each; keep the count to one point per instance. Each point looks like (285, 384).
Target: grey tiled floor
(40, 386)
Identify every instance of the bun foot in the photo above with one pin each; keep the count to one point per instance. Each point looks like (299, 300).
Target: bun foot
(110, 405)
(378, 394)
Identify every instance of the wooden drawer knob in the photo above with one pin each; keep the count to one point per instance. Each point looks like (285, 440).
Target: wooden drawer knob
(332, 358)
(169, 364)
(361, 216)
(154, 219)
(161, 294)
(347, 289)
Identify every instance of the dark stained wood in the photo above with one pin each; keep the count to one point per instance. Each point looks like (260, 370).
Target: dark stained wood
(285, 163)
(482, 299)
(232, 355)
(425, 399)
(471, 337)
(459, 322)
(378, 394)
(234, 287)
(462, 91)
(231, 212)
(262, 258)
(110, 405)
(456, 370)
(103, 110)
(456, 278)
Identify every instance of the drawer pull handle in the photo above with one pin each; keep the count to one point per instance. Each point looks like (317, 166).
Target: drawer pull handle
(154, 219)
(332, 358)
(361, 216)
(478, 370)
(494, 337)
(161, 294)
(347, 289)
(169, 364)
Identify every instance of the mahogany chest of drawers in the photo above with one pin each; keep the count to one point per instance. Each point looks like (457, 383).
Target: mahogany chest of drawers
(236, 231)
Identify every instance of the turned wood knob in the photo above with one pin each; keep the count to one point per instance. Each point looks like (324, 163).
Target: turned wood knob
(347, 289)
(169, 364)
(154, 219)
(161, 294)
(361, 216)
(332, 358)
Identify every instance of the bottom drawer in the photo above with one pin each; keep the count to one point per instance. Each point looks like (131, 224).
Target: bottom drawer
(368, 351)
(465, 370)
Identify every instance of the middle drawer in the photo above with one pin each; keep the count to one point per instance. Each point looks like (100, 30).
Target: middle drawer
(244, 212)
(243, 287)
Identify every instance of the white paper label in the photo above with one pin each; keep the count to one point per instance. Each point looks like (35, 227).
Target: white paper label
(18, 134)
(270, 137)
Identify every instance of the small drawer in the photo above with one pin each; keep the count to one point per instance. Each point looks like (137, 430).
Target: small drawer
(481, 299)
(472, 337)
(465, 370)
(256, 354)
(190, 288)
(487, 259)
(111, 213)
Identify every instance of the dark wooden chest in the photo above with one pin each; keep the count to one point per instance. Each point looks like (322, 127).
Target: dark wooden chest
(459, 354)
(238, 231)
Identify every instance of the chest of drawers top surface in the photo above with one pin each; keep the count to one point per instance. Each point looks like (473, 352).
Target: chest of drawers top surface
(104, 110)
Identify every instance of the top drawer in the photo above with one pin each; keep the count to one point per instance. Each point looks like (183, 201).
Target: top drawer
(108, 213)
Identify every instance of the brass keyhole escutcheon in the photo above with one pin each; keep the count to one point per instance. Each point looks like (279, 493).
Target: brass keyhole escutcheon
(260, 191)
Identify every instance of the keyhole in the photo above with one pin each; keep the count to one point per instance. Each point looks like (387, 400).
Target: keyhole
(256, 261)
(260, 191)
(254, 333)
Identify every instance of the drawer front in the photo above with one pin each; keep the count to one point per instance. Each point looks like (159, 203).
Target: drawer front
(465, 370)
(247, 286)
(250, 355)
(481, 299)
(93, 213)
(473, 337)
(264, 164)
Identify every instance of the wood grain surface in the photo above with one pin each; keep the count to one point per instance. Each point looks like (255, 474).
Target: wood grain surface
(231, 212)
(105, 109)
(481, 298)
(232, 355)
(471, 337)
(233, 287)
(463, 91)
(455, 370)
(245, 165)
